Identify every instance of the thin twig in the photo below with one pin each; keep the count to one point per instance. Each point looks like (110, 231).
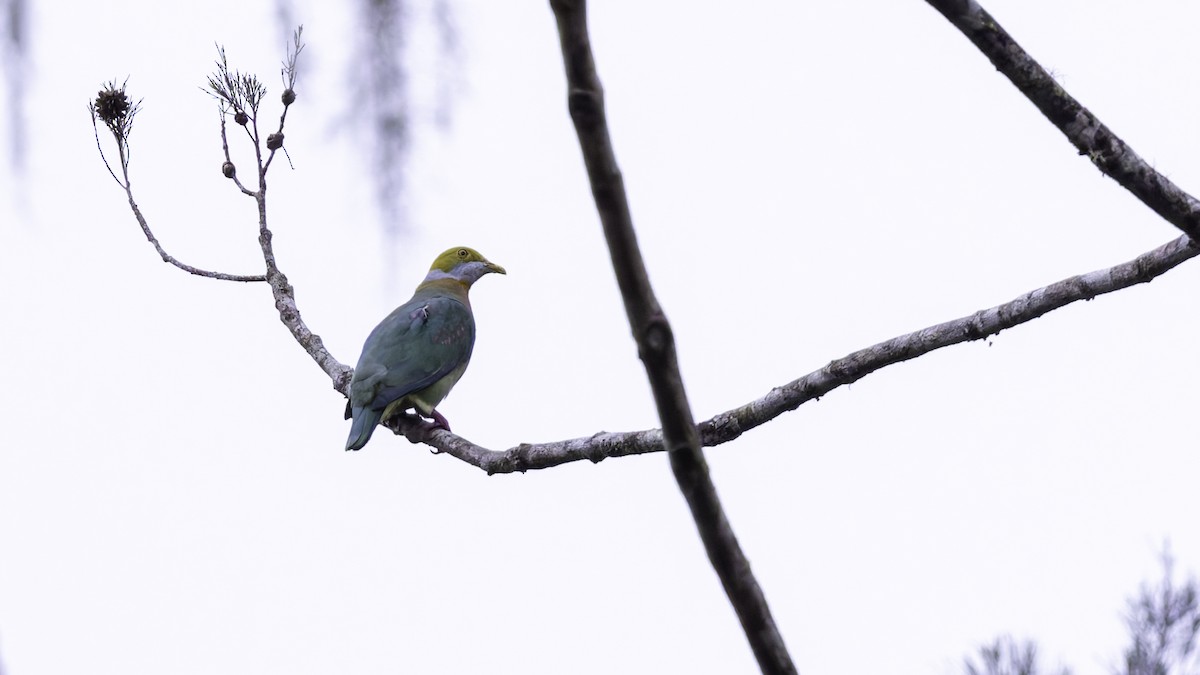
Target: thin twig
(113, 107)
(168, 258)
(225, 147)
(288, 73)
(656, 344)
(1083, 129)
(100, 147)
(731, 424)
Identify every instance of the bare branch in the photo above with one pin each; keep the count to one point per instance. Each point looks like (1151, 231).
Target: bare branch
(237, 91)
(289, 313)
(100, 147)
(288, 73)
(113, 107)
(231, 172)
(1085, 131)
(656, 344)
(853, 367)
(168, 258)
(731, 424)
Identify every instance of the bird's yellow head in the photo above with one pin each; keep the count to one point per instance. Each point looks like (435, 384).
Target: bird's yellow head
(462, 264)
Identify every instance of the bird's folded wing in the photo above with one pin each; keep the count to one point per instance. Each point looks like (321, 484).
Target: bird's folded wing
(418, 344)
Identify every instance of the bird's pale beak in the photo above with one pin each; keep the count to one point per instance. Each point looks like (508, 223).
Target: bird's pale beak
(493, 267)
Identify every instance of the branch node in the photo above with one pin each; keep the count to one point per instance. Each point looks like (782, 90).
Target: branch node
(586, 106)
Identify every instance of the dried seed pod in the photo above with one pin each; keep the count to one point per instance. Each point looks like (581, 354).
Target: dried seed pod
(228, 169)
(241, 118)
(275, 141)
(111, 105)
(289, 96)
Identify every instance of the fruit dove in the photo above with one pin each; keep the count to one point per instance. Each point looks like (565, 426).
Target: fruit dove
(418, 352)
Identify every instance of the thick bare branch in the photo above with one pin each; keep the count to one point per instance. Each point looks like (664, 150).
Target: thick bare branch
(285, 297)
(1085, 131)
(282, 290)
(656, 345)
(289, 313)
(727, 426)
(853, 367)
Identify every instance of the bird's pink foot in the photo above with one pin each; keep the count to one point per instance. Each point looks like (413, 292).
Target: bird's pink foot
(416, 428)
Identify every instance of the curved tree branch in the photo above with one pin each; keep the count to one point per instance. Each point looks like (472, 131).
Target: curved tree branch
(656, 345)
(167, 257)
(116, 111)
(285, 303)
(1082, 128)
(728, 425)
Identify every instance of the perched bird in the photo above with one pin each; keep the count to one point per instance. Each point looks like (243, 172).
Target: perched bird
(419, 351)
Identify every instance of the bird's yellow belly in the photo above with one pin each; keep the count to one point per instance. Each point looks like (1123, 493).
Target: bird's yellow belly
(425, 400)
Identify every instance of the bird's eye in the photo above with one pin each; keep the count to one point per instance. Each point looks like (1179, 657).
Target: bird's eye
(462, 252)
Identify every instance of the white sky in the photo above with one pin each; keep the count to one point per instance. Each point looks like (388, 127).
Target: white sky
(807, 179)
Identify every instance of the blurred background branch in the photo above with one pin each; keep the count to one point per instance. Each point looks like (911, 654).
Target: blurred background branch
(15, 51)
(1163, 622)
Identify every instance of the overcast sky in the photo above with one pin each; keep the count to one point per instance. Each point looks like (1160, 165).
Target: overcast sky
(807, 179)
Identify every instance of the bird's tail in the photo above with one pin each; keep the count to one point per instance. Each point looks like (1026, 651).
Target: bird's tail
(363, 426)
